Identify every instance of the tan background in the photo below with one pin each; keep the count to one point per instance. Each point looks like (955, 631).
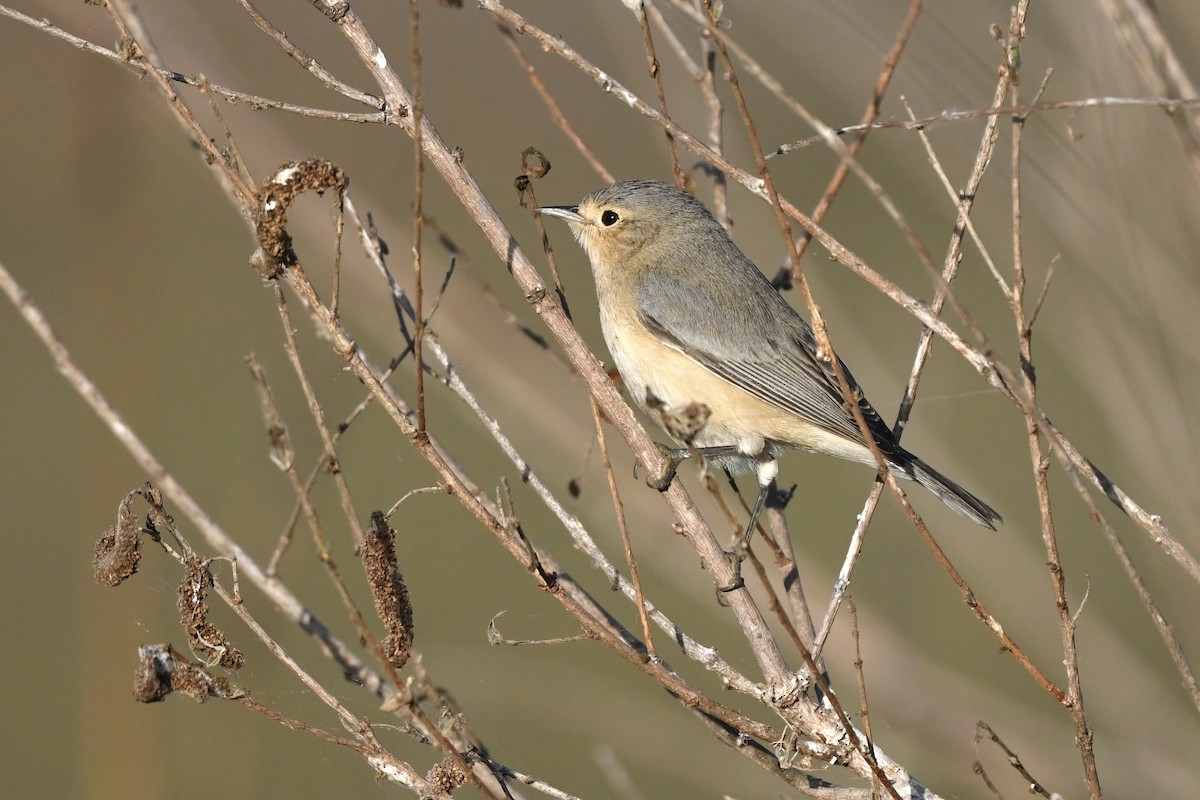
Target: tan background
(113, 224)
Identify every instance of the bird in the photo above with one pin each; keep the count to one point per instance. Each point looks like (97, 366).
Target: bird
(709, 349)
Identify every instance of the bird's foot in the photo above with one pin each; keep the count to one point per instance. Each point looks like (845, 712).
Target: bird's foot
(666, 468)
(735, 557)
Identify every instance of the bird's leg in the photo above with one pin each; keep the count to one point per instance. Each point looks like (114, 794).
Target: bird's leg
(759, 503)
(767, 470)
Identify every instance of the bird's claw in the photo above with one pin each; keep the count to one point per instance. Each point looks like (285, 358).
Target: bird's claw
(735, 557)
(666, 471)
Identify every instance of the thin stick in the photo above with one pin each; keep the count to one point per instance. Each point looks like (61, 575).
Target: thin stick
(325, 556)
(306, 61)
(860, 676)
(556, 113)
(652, 67)
(377, 754)
(199, 81)
(619, 510)
(964, 201)
(789, 571)
(1171, 105)
(333, 464)
(1165, 631)
(1034, 786)
(869, 116)
(417, 112)
(1040, 459)
(707, 79)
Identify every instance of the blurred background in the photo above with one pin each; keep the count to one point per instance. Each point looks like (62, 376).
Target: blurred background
(114, 225)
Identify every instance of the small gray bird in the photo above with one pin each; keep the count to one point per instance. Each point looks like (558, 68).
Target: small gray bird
(709, 348)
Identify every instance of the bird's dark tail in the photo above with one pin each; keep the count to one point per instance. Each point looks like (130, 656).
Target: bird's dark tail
(948, 491)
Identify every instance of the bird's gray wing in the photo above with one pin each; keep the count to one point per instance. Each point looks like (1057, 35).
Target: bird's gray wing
(743, 331)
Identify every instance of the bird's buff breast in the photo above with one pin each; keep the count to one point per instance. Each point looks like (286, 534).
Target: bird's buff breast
(670, 387)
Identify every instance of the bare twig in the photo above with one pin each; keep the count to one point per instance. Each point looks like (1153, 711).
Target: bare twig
(965, 201)
(1169, 104)
(639, 10)
(418, 112)
(869, 116)
(1041, 460)
(1174, 648)
(1138, 24)
(556, 113)
(306, 61)
(982, 729)
(619, 510)
(859, 675)
(318, 415)
(199, 81)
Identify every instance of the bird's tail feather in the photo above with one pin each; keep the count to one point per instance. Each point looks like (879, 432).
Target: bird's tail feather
(949, 492)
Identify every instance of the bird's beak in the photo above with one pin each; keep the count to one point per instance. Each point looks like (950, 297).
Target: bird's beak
(568, 213)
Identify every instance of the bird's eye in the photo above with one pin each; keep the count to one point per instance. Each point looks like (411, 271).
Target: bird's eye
(609, 218)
